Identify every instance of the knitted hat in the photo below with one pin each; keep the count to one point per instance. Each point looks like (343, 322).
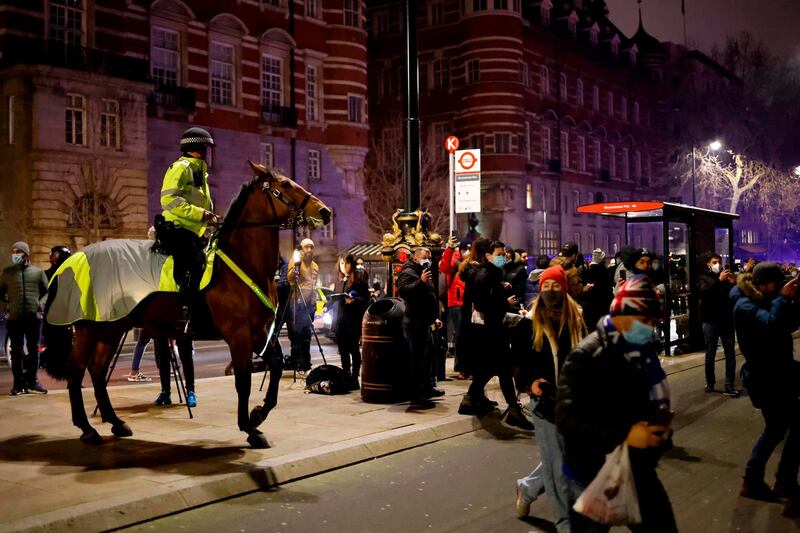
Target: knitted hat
(305, 242)
(764, 273)
(598, 255)
(631, 256)
(636, 297)
(22, 246)
(555, 273)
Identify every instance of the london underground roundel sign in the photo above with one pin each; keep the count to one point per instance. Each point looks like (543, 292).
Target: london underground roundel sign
(620, 207)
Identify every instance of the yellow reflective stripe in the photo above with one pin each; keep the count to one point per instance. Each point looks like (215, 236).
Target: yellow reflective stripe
(81, 272)
(174, 203)
(247, 280)
(171, 192)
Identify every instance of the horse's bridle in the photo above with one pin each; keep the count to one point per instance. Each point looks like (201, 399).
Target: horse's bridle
(297, 216)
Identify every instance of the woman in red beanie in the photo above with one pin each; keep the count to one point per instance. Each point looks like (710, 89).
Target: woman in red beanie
(557, 328)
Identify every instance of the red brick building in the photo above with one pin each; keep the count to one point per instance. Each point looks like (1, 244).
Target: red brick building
(278, 81)
(565, 108)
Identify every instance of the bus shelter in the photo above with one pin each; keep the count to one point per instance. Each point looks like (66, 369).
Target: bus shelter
(681, 235)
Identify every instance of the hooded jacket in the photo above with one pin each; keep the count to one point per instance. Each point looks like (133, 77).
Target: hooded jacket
(24, 288)
(764, 330)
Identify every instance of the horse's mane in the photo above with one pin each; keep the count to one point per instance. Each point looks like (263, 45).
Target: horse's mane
(237, 206)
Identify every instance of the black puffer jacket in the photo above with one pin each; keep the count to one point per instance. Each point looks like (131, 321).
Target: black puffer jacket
(422, 304)
(600, 396)
(716, 306)
(24, 288)
(483, 288)
(349, 316)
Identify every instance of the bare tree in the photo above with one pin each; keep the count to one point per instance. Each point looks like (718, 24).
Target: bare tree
(383, 182)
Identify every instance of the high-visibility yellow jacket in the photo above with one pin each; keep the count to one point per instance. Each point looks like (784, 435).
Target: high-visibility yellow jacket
(185, 196)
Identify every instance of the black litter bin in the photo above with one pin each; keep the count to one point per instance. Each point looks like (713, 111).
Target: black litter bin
(385, 370)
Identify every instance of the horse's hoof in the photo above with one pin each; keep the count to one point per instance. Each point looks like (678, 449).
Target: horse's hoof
(258, 441)
(257, 416)
(91, 437)
(121, 430)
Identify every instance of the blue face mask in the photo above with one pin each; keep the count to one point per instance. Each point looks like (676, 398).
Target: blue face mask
(18, 259)
(499, 260)
(639, 334)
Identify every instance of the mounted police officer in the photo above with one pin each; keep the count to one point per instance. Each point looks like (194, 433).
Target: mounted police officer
(187, 205)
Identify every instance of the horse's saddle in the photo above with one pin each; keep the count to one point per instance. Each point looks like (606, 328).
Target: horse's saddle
(105, 281)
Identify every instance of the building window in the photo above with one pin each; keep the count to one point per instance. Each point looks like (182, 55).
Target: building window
(636, 112)
(355, 107)
(477, 141)
(271, 83)
(528, 148)
(314, 165)
(543, 197)
(65, 22)
(438, 134)
(391, 147)
(615, 46)
(637, 163)
(165, 57)
(581, 154)
(576, 238)
(479, 5)
(572, 24)
(626, 170)
(524, 77)
(576, 199)
(562, 87)
(547, 153)
(352, 13)
(501, 4)
(222, 74)
(553, 200)
(74, 122)
(548, 242)
(518, 6)
(473, 70)
(545, 12)
(312, 8)
(612, 160)
(109, 124)
(312, 94)
(441, 73)
(502, 143)
(596, 99)
(11, 118)
(590, 242)
(436, 13)
(623, 103)
(593, 34)
(598, 156)
(326, 232)
(267, 155)
(579, 93)
(564, 149)
(528, 196)
(544, 80)
(380, 23)
(610, 103)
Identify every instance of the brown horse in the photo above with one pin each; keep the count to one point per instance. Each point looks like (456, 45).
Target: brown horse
(249, 236)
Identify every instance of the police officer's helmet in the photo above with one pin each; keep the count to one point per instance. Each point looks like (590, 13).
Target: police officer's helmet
(194, 138)
(59, 253)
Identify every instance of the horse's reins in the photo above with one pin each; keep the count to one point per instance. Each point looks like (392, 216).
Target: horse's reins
(297, 215)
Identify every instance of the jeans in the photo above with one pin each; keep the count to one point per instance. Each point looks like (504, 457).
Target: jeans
(141, 343)
(548, 476)
(418, 336)
(164, 362)
(654, 505)
(779, 420)
(711, 333)
(24, 365)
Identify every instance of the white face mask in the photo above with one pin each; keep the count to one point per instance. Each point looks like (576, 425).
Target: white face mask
(715, 268)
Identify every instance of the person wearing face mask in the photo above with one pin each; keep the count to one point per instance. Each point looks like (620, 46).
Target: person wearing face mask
(611, 390)
(567, 258)
(415, 287)
(596, 300)
(557, 328)
(765, 313)
(714, 286)
(23, 288)
(350, 312)
(489, 301)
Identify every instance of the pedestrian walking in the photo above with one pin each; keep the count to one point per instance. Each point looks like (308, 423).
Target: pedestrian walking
(303, 276)
(349, 314)
(489, 302)
(714, 286)
(23, 288)
(557, 328)
(136, 375)
(599, 290)
(766, 312)
(612, 390)
(452, 257)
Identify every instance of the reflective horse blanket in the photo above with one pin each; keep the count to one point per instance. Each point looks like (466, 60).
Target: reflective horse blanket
(105, 281)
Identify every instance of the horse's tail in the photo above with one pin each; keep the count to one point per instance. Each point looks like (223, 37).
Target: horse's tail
(58, 341)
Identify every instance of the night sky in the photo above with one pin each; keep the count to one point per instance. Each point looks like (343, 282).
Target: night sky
(776, 22)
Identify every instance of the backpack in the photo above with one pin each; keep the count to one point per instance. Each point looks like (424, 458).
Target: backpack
(328, 379)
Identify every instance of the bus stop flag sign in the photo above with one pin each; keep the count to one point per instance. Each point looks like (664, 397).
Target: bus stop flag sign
(468, 181)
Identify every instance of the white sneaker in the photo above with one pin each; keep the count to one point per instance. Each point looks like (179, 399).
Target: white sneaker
(523, 505)
(140, 378)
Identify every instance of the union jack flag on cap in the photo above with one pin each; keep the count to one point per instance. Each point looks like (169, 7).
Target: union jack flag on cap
(636, 297)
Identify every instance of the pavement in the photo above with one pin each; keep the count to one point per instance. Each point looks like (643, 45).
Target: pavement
(50, 481)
